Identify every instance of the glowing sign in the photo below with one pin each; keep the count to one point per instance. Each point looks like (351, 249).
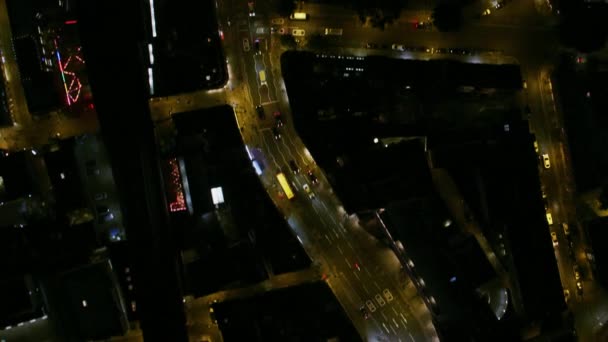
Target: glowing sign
(71, 82)
(178, 202)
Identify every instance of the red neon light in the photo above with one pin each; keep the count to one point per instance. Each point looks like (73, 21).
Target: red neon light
(175, 182)
(72, 90)
(71, 22)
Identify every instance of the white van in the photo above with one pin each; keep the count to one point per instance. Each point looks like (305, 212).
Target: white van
(333, 32)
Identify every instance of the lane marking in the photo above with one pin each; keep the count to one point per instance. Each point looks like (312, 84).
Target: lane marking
(367, 290)
(394, 321)
(385, 328)
(403, 318)
(340, 249)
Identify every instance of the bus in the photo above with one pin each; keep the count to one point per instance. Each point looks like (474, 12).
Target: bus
(285, 185)
(298, 16)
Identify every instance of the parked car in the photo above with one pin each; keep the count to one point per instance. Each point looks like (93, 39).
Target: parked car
(105, 217)
(246, 46)
(260, 111)
(101, 196)
(398, 47)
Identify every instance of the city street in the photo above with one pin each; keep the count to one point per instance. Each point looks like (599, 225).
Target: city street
(363, 274)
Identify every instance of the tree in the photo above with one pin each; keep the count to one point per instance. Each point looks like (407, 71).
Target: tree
(584, 27)
(447, 16)
(288, 41)
(318, 42)
(380, 12)
(286, 7)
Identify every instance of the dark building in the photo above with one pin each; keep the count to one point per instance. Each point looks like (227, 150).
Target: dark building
(128, 134)
(89, 303)
(598, 255)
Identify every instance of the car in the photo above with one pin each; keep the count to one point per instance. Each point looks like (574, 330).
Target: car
(212, 316)
(566, 295)
(546, 161)
(577, 272)
(525, 84)
(333, 32)
(294, 167)
(93, 171)
(398, 47)
(542, 191)
(566, 228)
(380, 300)
(250, 6)
(579, 288)
(260, 111)
(535, 146)
(101, 196)
(364, 312)
(246, 46)
(278, 121)
(307, 189)
(105, 217)
(256, 46)
(370, 305)
(276, 133)
(388, 295)
(371, 46)
(549, 218)
(102, 209)
(312, 177)
(486, 12)
(90, 164)
(554, 239)
(298, 33)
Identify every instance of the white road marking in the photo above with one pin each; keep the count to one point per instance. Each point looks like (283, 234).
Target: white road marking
(385, 328)
(378, 286)
(394, 321)
(356, 275)
(403, 318)
(340, 249)
(412, 337)
(393, 329)
(383, 315)
(328, 240)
